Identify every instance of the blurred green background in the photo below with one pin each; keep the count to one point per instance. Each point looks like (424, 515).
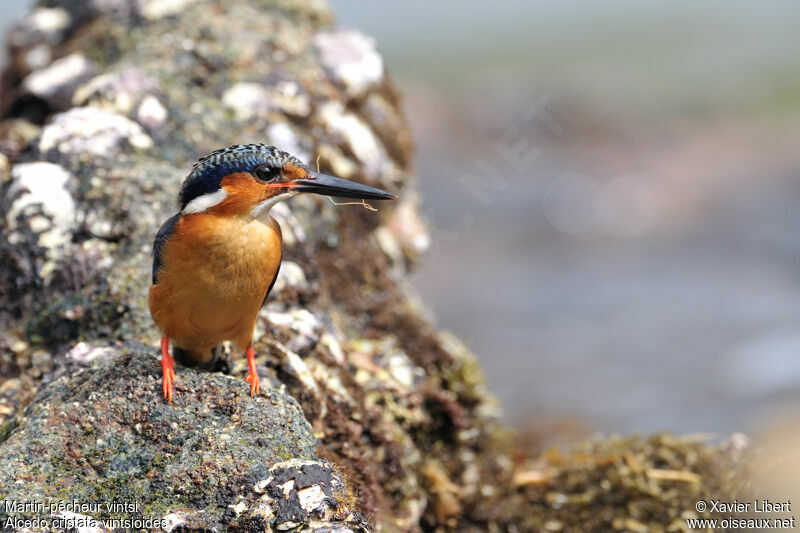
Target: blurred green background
(613, 194)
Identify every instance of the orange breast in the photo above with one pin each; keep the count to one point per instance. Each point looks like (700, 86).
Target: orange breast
(215, 274)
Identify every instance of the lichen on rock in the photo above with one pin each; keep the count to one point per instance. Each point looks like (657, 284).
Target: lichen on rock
(56, 83)
(40, 199)
(92, 131)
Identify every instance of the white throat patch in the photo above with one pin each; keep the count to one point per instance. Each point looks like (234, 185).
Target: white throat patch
(261, 210)
(201, 203)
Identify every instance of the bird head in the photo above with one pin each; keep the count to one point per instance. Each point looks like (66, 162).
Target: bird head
(247, 180)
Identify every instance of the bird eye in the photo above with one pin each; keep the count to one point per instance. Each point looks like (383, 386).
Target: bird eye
(267, 173)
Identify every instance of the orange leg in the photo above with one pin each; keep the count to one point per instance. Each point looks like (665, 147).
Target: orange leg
(252, 375)
(167, 369)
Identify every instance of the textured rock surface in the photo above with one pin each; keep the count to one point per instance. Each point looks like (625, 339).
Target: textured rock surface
(215, 458)
(92, 153)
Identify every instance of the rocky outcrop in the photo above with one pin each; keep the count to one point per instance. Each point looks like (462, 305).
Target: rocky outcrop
(218, 459)
(107, 105)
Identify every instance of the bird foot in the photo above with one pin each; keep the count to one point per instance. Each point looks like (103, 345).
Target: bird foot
(252, 376)
(167, 369)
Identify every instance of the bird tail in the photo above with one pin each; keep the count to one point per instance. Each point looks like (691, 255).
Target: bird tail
(218, 360)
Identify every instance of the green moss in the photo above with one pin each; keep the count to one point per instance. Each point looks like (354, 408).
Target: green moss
(7, 427)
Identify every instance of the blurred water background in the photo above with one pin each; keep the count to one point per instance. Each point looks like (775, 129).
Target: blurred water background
(613, 194)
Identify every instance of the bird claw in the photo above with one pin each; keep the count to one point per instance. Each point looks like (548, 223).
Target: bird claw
(169, 380)
(254, 381)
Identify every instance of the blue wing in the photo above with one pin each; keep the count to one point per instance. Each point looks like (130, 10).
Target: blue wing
(164, 233)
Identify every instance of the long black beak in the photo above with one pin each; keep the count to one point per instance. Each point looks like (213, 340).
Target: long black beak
(330, 186)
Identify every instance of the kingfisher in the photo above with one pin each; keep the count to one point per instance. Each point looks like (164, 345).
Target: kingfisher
(216, 260)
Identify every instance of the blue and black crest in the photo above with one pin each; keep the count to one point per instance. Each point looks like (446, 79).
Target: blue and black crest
(208, 172)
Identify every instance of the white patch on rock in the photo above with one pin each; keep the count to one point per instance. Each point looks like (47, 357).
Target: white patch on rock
(239, 508)
(299, 368)
(334, 347)
(389, 246)
(47, 20)
(245, 99)
(402, 369)
(85, 353)
(292, 463)
(38, 223)
(43, 184)
(249, 100)
(322, 374)
(351, 59)
(349, 128)
(119, 91)
(342, 165)
(295, 365)
(261, 486)
(172, 521)
(290, 276)
(156, 9)
(263, 509)
(298, 320)
(91, 130)
(56, 83)
(151, 113)
(38, 56)
(287, 96)
(311, 498)
(287, 488)
(305, 327)
(407, 226)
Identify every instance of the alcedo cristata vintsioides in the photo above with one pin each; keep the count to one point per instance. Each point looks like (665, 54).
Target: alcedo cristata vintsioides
(214, 263)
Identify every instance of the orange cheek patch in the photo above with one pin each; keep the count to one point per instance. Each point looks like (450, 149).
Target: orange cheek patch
(293, 172)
